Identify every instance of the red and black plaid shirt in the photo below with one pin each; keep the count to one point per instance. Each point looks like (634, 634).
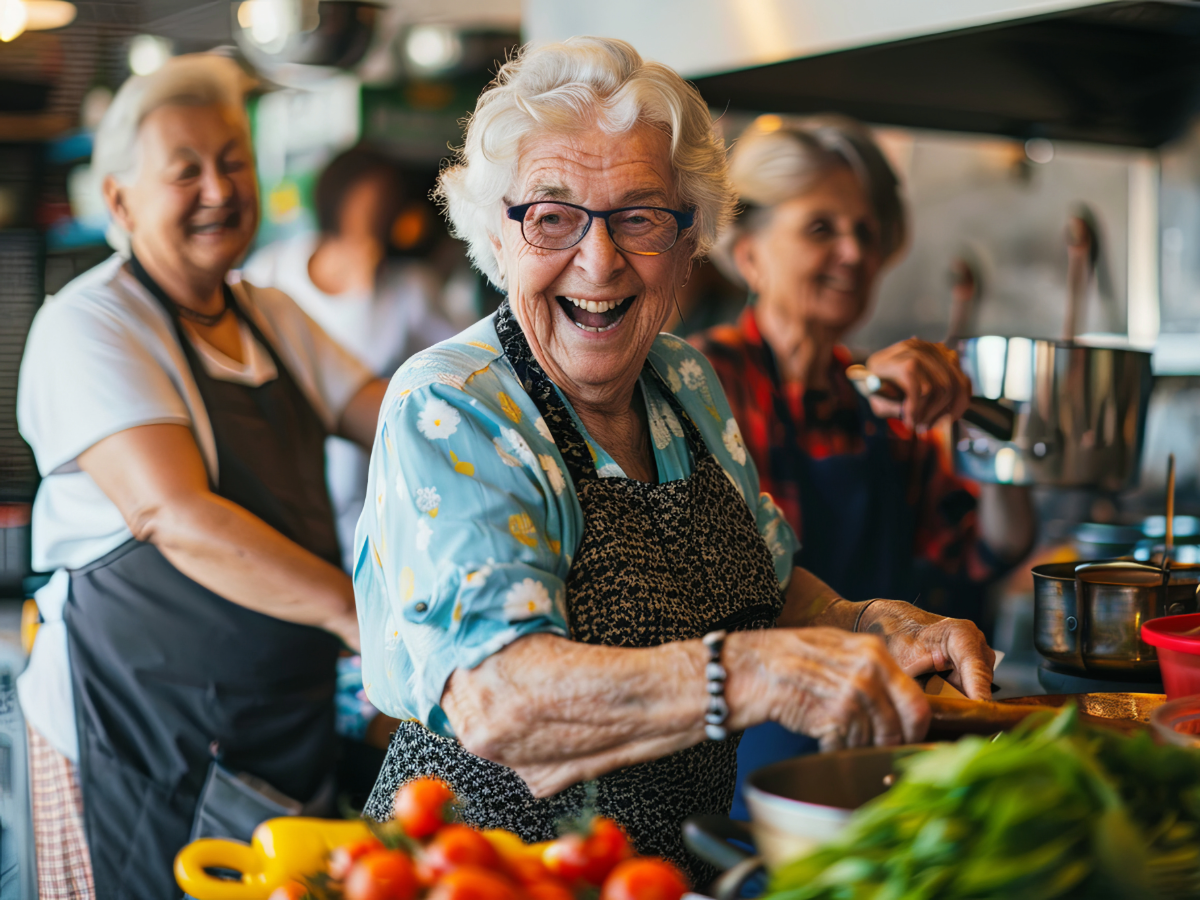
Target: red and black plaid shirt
(830, 423)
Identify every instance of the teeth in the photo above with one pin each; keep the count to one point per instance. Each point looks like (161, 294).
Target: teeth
(596, 306)
(599, 330)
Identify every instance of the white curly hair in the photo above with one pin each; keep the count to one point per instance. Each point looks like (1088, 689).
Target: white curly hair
(564, 88)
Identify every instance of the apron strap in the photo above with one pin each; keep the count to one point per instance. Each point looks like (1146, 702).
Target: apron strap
(554, 410)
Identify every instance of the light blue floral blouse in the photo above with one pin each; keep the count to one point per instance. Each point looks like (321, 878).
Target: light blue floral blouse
(471, 520)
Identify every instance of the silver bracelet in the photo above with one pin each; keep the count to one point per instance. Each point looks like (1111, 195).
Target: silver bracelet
(714, 676)
(863, 609)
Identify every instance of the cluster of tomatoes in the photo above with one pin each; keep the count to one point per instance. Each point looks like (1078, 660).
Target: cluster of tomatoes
(421, 854)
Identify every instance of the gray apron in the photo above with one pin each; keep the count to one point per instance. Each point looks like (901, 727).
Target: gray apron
(169, 676)
(656, 563)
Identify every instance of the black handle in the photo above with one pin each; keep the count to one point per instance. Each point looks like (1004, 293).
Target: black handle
(709, 838)
(993, 417)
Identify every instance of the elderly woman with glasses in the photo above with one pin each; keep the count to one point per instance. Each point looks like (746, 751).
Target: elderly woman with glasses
(568, 583)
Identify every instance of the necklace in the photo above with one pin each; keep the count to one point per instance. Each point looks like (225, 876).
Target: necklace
(208, 320)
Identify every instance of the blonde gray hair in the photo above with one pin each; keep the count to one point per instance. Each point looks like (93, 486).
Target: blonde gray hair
(194, 79)
(777, 161)
(564, 88)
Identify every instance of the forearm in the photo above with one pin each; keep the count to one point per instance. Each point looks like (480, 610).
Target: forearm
(558, 711)
(361, 414)
(811, 602)
(235, 554)
(1007, 522)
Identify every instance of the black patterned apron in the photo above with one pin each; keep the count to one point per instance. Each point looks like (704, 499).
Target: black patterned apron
(656, 563)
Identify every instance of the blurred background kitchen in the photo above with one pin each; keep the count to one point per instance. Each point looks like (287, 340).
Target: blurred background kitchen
(1005, 121)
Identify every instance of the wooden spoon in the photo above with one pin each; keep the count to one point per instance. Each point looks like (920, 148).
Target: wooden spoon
(954, 716)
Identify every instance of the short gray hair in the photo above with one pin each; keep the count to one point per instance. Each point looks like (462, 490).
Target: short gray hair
(776, 160)
(194, 79)
(566, 87)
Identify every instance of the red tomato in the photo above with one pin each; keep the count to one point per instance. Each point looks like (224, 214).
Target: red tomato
(528, 869)
(472, 883)
(547, 889)
(382, 875)
(455, 846)
(575, 857)
(343, 858)
(293, 890)
(567, 857)
(420, 806)
(644, 878)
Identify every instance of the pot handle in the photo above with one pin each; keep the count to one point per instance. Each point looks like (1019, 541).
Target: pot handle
(710, 838)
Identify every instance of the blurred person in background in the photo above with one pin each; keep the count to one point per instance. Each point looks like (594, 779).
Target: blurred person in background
(381, 308)
(822, 216)
(178, 416)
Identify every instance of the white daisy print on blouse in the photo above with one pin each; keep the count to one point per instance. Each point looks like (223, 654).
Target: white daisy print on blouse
(733, 441)
(505, 457)
(693, 375)
(519, 447)
(554, 473)
(663, 423)
(610, 470)
(479, 577)
(526, 599)
(428, 501)
(543, 429)
(438, 419)
(424, 533)
(771, 537)
(673, 380)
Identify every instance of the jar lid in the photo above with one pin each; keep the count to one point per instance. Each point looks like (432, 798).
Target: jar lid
(1180, 633)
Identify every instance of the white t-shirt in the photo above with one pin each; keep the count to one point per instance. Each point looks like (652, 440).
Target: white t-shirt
(101, 357)
(382, 329)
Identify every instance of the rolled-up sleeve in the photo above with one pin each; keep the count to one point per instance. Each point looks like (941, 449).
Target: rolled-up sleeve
(459, 551)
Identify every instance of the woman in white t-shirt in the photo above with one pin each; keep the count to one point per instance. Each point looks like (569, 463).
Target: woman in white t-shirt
(381, 309)
(178, 417)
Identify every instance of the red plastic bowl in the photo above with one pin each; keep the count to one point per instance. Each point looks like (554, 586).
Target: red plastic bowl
(1177, 639)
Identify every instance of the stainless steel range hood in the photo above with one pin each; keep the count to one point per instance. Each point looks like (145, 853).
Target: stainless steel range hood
(1123, 72)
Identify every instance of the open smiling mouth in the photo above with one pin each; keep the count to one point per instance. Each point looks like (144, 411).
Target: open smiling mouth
(231, 222)
(595, 316)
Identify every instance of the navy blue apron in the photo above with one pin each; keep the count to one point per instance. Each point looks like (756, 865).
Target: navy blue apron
(859, 531)
(168, 675)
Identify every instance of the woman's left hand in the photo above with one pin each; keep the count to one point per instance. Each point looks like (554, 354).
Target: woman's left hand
(922, 642)
(929, 374)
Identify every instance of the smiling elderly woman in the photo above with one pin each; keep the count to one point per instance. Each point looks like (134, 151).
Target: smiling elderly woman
(564, 523)
(178, 416)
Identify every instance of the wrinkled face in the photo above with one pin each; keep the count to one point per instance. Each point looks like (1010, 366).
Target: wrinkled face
(817, 256)
(193, 203)
(553, 292)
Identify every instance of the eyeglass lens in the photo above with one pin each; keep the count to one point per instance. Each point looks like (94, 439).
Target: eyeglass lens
(554, 226)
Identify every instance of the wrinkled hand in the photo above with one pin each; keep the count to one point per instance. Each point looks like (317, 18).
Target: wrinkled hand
(844, 689)
(929, 374)
(922, 642)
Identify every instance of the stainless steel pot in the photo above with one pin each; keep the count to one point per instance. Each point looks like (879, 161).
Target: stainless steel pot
(1080, 412)
(1088, 618)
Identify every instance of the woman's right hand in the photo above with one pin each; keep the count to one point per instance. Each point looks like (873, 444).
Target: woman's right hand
(842, 688)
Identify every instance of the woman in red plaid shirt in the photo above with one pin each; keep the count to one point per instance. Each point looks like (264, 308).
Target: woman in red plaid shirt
(868, 490)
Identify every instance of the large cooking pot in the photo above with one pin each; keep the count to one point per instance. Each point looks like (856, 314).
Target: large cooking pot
(1080, 412)
(1087, 618)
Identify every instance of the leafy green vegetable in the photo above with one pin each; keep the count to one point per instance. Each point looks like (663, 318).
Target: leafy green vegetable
(1050, 811)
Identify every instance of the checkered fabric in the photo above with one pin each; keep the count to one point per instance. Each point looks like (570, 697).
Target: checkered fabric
(64, 867)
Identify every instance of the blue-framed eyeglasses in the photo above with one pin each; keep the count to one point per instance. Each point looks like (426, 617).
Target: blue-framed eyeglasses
(641, 230)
